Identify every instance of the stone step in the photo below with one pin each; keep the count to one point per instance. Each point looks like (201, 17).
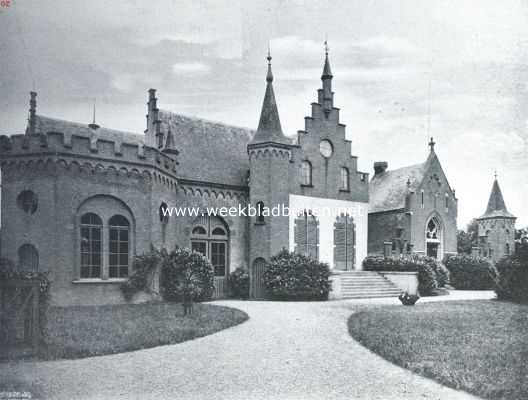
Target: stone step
(366, 284)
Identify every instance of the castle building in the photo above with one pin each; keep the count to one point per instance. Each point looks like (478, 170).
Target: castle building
(80, 200)
(496, 228)
(412, 210)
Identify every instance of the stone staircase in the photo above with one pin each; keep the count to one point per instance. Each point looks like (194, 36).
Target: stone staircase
(366, 284)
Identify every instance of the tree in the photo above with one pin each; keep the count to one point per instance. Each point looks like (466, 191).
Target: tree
(468, 238)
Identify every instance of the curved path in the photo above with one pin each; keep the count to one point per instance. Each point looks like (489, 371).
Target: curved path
(285, 351)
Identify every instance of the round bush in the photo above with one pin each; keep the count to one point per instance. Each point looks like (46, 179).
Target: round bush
(471, 273)
(513, 278)
(239, 283)
(428, 268)
(291, 276)
(186, 275)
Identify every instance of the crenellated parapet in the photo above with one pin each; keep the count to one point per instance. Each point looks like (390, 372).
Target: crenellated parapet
(94, 153)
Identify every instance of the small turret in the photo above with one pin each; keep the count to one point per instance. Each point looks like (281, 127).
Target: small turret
(31, 128)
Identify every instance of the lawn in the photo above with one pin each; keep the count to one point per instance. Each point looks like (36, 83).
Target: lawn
(74, 332)
(477, 346)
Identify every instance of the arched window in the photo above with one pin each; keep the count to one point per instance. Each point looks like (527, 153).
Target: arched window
(306, 235)
(344, 243)
(507, 249)
(28, 259)
(345, 179)
(306, 173)
(422, 203)
(260, 210)
(209, 237)
(27, 201)
(163, 213)
(119, 245)
(91, 226)
(446, 201)
(432, 229)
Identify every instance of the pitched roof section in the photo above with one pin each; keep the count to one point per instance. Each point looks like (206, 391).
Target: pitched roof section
(46, 124)
(208, 151)
(269, 128)
(388, 189)
(496, 205)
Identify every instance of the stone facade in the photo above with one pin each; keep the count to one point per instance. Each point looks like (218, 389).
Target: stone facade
(414, 209)
(496, 227)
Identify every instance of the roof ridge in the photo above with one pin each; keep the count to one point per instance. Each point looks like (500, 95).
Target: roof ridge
(83, 125)
(210, 121)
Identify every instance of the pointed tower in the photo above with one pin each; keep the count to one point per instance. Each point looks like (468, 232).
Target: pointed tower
(496, 227)
(326, 96)
(269, 160)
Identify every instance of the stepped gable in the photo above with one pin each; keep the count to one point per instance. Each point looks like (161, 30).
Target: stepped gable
(388, 189)
(208, 151)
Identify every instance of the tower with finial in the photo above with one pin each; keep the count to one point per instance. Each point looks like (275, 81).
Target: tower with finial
(269, 160)
(326, 96)
(496, 226)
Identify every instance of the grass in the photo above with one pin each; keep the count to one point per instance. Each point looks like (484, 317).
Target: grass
(477, 346)
(75, 332)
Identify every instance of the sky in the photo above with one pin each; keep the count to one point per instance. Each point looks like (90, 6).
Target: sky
(403, 71)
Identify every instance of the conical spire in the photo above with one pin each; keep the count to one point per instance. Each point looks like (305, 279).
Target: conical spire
(269, 128)
(327, 71)
(496, 205)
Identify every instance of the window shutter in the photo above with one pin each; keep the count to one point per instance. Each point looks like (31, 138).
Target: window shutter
(300, 235)
(340, 245)
(312, 237)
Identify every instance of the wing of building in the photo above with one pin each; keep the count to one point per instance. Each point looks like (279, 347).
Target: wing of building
(412, 210)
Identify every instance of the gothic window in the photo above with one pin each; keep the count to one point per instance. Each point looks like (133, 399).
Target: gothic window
(306, 173)
(306, 234)
(432, 229)
(27, 201)
(119, 244)
(344, 242)
(28, 259)
(422, 199)
(209, 237)
(446, 201)
(345, 179)
(91, 227)
(260, 210)
(507, 249)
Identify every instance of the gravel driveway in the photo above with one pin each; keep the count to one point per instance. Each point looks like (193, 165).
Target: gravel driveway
(285, 351)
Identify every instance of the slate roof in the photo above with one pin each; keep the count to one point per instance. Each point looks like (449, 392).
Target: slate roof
(46, 124)
(387, 190)
(269, 127)
(208, 151)
(496, 205)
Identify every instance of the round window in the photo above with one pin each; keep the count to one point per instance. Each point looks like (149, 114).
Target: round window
(326, 149)
(27, 201)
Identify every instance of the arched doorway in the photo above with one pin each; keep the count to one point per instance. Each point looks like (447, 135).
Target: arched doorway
(257, 290)
(433, 238)
(210, 237)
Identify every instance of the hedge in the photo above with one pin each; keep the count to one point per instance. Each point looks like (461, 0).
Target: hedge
(292, 276)
(431, 273)
(513, 278)
(470, 272)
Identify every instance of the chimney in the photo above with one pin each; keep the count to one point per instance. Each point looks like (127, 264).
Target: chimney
(380, 167)
(32, 113)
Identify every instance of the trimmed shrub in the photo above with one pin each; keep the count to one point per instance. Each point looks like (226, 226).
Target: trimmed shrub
(142, 267)
(239, 283)
(292, 276)
(513, 278)
(426, 267)
(9, 271)
(186, 276)
(471, 273)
